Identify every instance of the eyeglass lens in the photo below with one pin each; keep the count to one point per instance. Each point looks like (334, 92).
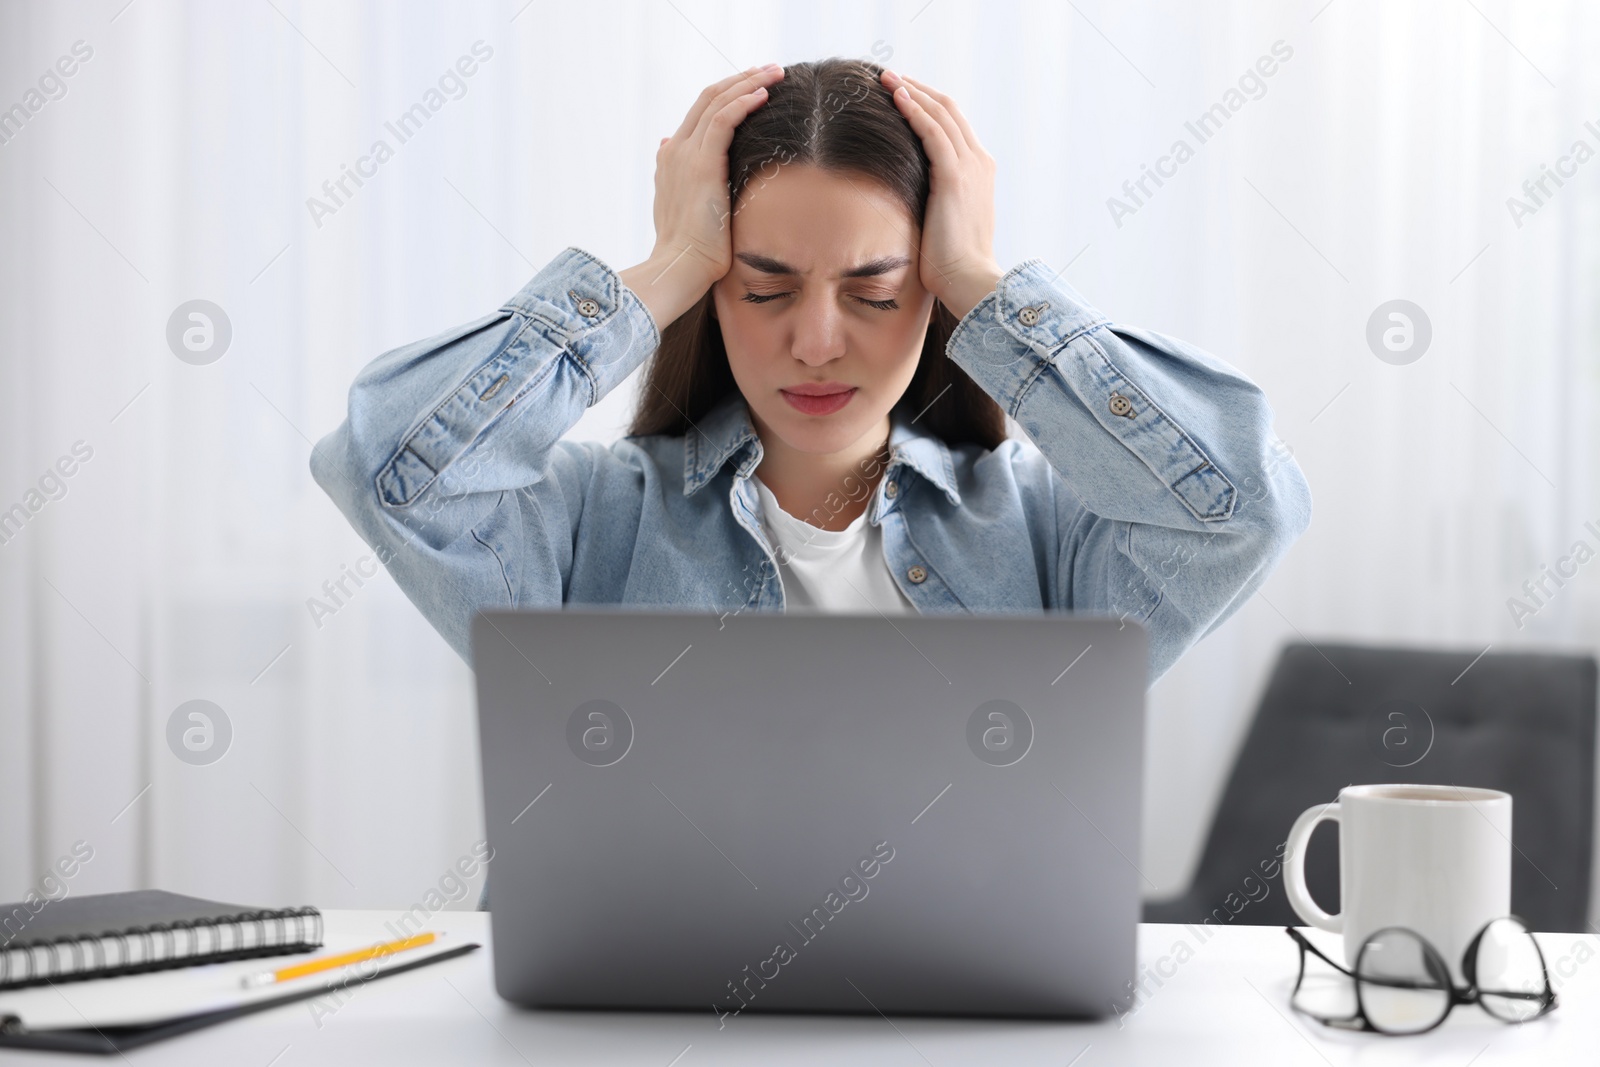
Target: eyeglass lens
(1403, 985)
(1509, 972)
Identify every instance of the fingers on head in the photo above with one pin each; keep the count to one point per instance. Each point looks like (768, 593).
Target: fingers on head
(738, 84)
(714, 95)
(712, 98)
(725, 114)
(925, 99)
(755, 86)
(717, 96)
(945, 101)
(717, 88)
(942, 109)
(931, 91)
(734, 111)
(935, 138)
(934, 103)
(942, 117)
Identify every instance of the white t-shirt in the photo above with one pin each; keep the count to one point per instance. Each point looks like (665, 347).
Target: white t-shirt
(831, 570)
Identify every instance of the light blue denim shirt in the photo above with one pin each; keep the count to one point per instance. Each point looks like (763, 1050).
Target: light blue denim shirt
(1151, 487)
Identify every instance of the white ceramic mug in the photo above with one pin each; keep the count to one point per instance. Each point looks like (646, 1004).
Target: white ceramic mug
(1433, 858)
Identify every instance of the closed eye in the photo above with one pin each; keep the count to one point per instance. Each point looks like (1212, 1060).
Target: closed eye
(881, 305)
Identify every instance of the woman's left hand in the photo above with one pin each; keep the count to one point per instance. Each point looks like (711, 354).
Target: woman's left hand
(957, 263)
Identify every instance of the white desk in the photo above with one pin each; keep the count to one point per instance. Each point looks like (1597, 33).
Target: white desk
(1226, 1004)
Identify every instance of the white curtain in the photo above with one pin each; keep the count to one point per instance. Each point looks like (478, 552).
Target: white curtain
(175, 163)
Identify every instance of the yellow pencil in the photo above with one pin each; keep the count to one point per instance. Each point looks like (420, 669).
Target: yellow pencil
(328, 963)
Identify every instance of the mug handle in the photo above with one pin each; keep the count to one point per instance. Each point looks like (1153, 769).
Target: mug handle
(1294, 868)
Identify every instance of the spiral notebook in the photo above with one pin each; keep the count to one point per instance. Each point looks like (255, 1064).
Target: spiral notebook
(107, 934)
(174, 975)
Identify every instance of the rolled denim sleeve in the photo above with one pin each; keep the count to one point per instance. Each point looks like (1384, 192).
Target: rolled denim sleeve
(448, 461)
(1175, 498)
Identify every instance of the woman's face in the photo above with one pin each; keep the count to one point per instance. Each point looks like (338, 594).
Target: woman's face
(823, 291)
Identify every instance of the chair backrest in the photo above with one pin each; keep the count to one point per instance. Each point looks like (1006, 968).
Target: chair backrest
(1337, 715)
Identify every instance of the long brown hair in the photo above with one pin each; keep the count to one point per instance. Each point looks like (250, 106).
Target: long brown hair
(836, 115)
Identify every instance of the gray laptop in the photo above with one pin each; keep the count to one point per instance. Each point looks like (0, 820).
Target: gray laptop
(812, 812)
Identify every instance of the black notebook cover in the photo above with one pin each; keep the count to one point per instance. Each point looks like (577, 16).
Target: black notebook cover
(163, 927)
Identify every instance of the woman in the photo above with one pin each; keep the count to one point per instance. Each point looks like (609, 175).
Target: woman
(823, 424)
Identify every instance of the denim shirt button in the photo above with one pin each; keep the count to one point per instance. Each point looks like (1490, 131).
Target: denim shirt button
(917, 575)
(892, 490)
(1121, 405)
(586, 307)
(1029, 316)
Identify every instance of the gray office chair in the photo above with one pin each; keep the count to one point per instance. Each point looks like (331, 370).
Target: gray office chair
(1337, 715)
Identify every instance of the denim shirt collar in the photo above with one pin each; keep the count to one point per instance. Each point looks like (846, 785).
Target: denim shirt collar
(726, 432)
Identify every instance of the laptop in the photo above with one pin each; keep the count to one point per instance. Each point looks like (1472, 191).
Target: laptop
(927, 814)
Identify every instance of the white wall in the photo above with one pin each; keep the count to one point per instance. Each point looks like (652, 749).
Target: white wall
(1376, 164)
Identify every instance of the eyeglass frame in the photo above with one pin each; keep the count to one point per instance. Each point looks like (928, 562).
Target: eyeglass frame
(1472, 994)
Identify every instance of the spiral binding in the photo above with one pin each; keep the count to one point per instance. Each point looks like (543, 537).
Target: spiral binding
(162, 946)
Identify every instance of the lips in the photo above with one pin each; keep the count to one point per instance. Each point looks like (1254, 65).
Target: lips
(818, 398)
(819, 388)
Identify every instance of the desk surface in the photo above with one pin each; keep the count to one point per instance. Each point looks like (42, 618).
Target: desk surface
(1220, 1000)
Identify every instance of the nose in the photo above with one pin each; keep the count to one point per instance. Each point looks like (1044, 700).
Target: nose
(818, 330)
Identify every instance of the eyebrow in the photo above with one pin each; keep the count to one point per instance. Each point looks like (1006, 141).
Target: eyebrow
(870, 269)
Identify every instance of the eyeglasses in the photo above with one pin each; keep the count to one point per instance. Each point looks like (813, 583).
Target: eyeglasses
(1401, 984)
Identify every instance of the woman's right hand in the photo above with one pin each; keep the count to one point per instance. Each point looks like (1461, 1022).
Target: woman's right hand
(693, 246)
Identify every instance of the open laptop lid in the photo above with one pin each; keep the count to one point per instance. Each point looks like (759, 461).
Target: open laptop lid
(812, 811)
